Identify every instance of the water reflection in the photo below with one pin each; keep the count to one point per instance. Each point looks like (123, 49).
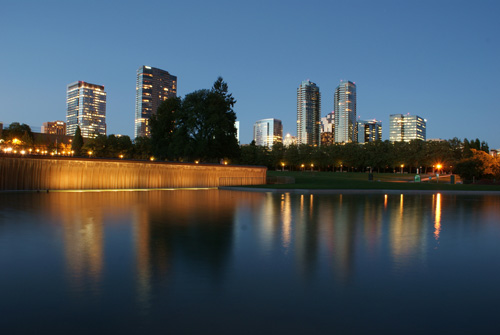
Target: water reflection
(180, 252)
(437, 220)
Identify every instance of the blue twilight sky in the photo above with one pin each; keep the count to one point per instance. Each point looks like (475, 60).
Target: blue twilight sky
(436, 59)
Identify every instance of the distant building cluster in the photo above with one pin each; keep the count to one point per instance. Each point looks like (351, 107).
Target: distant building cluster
(342, 124)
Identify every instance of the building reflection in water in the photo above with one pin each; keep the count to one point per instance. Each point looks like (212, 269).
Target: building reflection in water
(202, 232)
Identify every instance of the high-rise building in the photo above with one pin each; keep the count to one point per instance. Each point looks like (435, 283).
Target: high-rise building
(54, 128)
(345, 112)
(406, 128)
(328, 129)
(266, 132)
(289, 140)
(86, 107)
(237, 127)
(369, 131)
(308, 113)
(152, 88)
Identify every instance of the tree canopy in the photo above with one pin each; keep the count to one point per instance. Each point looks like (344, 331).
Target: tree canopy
(198, 127)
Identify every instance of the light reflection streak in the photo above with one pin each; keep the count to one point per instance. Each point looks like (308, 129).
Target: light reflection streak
(311, 205)
(437, 220)
(286, 217)
(401, 205)
(385, 201)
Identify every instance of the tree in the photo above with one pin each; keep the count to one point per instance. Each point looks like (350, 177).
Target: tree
(77, 144)
(142, 148)
(163, 125)
(198, 127)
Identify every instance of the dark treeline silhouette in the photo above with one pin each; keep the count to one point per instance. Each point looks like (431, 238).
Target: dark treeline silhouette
(469, 158)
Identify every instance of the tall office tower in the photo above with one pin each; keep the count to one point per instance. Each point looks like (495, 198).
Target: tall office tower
(55, 128)
(153, 87)
(86, 107)
(369, 131)
(308, 114)
(328, 129)
(345, 112)
(237, 126)
(406, 128)
(266, 132)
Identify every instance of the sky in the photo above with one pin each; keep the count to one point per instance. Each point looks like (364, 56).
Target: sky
(436, 59)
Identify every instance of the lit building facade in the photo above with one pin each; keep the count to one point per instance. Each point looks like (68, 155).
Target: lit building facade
(308, 113)
(345, 112)
(289, 140)
(152, 88)
(328, 129)
(237, 127)
(369, 131)
(86, 108)
(406, 128)
(54, 128)
(266, 132)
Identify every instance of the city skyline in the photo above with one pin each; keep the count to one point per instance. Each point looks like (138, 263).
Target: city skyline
(393, 51)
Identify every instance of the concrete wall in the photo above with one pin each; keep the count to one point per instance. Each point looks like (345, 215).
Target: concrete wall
(34, 173)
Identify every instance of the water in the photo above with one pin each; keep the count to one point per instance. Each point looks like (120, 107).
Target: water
(225, 262)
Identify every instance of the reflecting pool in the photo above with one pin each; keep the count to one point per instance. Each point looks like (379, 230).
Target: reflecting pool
(226, 262)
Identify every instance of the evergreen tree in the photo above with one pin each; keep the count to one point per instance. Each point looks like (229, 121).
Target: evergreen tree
(77, 144)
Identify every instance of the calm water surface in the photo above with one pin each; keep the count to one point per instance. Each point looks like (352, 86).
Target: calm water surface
(225, 262)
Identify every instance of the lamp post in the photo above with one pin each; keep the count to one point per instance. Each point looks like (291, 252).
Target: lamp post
(402, 166)
(312, 167)
(282, 166)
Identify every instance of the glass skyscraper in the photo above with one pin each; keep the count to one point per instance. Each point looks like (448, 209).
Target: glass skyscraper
(369, 131)
(308, 114)
(406, 128)
(153, 87)
(266, 132)
(86, 107)
(345, 112)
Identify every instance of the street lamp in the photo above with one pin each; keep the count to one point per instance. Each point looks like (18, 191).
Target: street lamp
(312, 167)
(302, 166)
(282, 166)
(402, 166)
(90, 153)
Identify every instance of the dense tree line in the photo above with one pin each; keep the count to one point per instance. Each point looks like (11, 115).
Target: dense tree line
(379, 156)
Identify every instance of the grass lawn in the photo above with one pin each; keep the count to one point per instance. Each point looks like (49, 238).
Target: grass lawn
(355, 180)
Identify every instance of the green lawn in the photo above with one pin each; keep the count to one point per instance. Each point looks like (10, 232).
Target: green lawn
(353, 180)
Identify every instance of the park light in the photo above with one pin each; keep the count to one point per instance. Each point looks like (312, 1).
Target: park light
(282, 166)
(225, 162)
(23, 152)
(196, 162)
(151, 158)
(89, 153)
(439, 166)
(121, 156)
